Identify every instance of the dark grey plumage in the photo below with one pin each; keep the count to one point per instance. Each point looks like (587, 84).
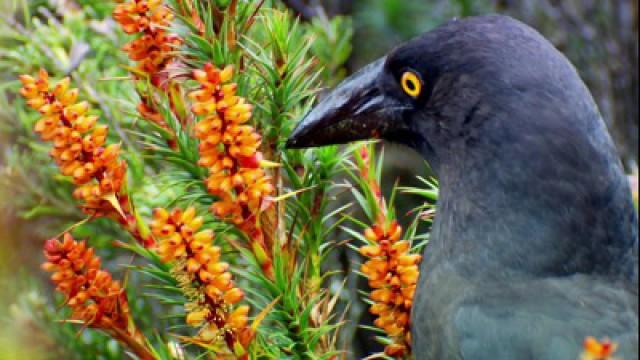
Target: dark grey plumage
(535, 243)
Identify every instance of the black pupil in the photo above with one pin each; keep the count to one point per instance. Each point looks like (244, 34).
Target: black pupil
(411, 85)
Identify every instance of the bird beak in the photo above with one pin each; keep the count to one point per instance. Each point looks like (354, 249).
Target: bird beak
(355, 110)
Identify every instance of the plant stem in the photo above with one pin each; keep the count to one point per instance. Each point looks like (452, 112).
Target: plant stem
(134, 342)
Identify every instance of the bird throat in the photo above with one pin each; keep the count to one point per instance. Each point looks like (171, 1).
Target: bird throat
(533, 216)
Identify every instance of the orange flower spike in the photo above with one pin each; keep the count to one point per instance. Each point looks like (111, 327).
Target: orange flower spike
(95, 298)
(225, 145)
(195, 259)
(392, 272)
(153, 48)
(78, 145)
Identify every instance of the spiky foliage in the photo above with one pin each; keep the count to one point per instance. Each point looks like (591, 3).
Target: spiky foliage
(276, 74)
(182, 54)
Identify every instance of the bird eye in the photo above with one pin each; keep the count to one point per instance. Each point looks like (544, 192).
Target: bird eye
(411, 84)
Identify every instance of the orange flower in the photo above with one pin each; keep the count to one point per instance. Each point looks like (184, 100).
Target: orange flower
(149, 18)
(78, 144)
(229, 147)
(392, 271)
(93, 296)
(152, 50)
(598, 350)
(204, 278)
(80, 149)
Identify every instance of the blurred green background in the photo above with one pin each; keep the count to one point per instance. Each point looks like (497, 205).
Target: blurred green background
(600, 38)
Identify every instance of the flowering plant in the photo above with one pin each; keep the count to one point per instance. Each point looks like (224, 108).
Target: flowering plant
(186, 169)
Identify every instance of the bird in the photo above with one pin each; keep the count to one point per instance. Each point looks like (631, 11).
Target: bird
(534, 246)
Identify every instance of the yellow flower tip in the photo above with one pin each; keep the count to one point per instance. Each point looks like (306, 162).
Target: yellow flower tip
(410, 259)
(199, 95)
(69, 97)
(175, 239)
(36, 103)
(165, 250)
(200, 76)
(401, 247)
(197, 246)
(370, 235)
(163, 229)
(370, 250)
(233, 296)
(28, 92)
(202, 108)
(196, 318)
(213, 292)
(195, 223)
(188, 215)
(222, 281)
(238, 319)
(61, 87)
(27, 79)
(395, 231)
(266, 164)
(74, 111)
(160, 214)
(204, 236)
(229, 89)
(193, 266)
(393, 330)
(379, 309)
(217, 268)
(48, 267)
(226, 74)
(43, 74)
(381, 295)
(85, 123)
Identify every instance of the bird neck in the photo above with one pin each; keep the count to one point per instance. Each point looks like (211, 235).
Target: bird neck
(548, 205)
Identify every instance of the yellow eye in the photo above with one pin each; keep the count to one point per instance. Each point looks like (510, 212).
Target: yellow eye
(411, 84)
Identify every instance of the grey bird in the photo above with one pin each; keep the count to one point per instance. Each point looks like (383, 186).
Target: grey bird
(535, 242)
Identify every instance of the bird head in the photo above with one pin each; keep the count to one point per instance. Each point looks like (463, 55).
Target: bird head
(444, 88)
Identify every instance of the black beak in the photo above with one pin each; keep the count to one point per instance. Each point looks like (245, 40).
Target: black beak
(355, 110)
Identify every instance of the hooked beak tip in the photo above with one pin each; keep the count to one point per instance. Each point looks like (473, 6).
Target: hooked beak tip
(297, 139)
(291, 143)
